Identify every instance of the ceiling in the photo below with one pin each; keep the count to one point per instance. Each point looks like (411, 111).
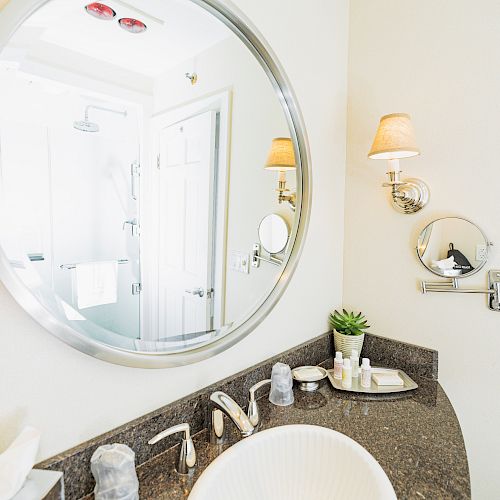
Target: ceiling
(177, 31)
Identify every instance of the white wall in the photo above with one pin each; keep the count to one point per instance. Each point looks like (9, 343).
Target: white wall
(438, 61)
(72, 397)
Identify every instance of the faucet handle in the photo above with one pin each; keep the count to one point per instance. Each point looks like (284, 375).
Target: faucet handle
(253, 409)
(187, 457)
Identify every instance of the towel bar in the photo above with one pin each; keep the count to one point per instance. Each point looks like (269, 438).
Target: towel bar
(73, 266)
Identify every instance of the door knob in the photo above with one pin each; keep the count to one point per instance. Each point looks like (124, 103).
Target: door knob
(196, 291)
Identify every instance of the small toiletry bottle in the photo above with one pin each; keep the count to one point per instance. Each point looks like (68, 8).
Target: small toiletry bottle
(347, 374)
(337, 365)
(366, 373)
(355, 363)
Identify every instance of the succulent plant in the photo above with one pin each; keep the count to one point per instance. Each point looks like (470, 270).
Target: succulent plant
(348, 323)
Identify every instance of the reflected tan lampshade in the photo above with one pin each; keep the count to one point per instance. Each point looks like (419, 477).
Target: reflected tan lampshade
(395, 138)
(282, 155)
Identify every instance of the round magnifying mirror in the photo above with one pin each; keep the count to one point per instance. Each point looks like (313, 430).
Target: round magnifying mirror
(452, 247)
(273, 233)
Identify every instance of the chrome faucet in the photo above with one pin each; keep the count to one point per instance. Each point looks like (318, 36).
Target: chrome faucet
(187, 456)
(221, 404)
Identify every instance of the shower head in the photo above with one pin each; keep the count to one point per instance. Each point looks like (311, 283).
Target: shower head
(86, 126)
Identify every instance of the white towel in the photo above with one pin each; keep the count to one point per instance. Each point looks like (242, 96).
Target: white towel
(17, 461)
(444, 264)
(96, 283)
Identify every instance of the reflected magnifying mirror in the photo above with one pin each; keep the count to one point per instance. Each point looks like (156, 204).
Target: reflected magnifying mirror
(453, 247)
(273, 233)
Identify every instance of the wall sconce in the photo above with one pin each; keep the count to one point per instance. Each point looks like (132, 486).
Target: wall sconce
(282, 158)
(395, 139)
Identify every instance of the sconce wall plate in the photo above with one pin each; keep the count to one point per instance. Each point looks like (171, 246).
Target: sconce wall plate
(409, 195)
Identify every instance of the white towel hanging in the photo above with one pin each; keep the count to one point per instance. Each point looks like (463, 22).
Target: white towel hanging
(96, 283)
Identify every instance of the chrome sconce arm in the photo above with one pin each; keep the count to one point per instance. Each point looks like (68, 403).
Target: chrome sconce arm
(284, 194)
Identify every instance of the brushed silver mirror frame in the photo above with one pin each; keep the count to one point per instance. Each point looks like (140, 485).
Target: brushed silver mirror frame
(471, 273)
(243, 28)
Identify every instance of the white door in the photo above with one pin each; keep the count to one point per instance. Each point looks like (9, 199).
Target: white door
(186, 211)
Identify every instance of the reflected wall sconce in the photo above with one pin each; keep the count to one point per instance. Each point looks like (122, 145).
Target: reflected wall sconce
(394, 140)
(282, 158)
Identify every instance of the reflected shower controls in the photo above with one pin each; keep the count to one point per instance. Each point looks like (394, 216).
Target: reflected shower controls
(395, 139)
(134, 224)
(282, 158)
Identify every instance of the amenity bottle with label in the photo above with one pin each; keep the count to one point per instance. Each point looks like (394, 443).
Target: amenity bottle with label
(337, 365)
(366, 373)
(347, 374)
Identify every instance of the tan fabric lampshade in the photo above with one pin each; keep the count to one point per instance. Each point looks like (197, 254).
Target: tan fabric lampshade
(395, 138)
(282, 155)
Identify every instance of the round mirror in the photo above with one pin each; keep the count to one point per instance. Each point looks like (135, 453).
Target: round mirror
(273, 233)
(130, 136)
(452, 247)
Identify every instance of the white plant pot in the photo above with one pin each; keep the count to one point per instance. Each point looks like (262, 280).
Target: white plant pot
(346, 343)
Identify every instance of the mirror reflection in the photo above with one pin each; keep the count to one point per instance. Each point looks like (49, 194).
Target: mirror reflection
(452, 247)
(134, 138)
(273, 233)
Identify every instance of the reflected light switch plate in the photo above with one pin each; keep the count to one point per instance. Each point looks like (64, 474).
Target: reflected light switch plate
(245, 263)
(239, 262)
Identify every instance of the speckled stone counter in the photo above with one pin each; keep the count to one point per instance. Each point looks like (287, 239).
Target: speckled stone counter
(416, 438)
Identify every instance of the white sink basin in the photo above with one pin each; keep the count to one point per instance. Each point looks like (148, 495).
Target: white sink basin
(294, 462)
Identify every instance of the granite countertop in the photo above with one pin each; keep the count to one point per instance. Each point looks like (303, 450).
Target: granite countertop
(415, 437)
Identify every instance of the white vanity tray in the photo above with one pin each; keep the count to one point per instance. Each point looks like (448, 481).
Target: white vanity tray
(409, 384)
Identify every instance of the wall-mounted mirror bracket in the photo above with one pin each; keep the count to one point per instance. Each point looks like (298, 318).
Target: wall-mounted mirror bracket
(452, 286)
(256, 257)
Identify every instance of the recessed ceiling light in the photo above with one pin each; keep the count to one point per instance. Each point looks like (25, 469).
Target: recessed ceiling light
(100, 11)
(132, 25)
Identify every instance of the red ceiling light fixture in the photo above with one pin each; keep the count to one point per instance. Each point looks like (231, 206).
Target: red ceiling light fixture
(132, 25)
(100, 11)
